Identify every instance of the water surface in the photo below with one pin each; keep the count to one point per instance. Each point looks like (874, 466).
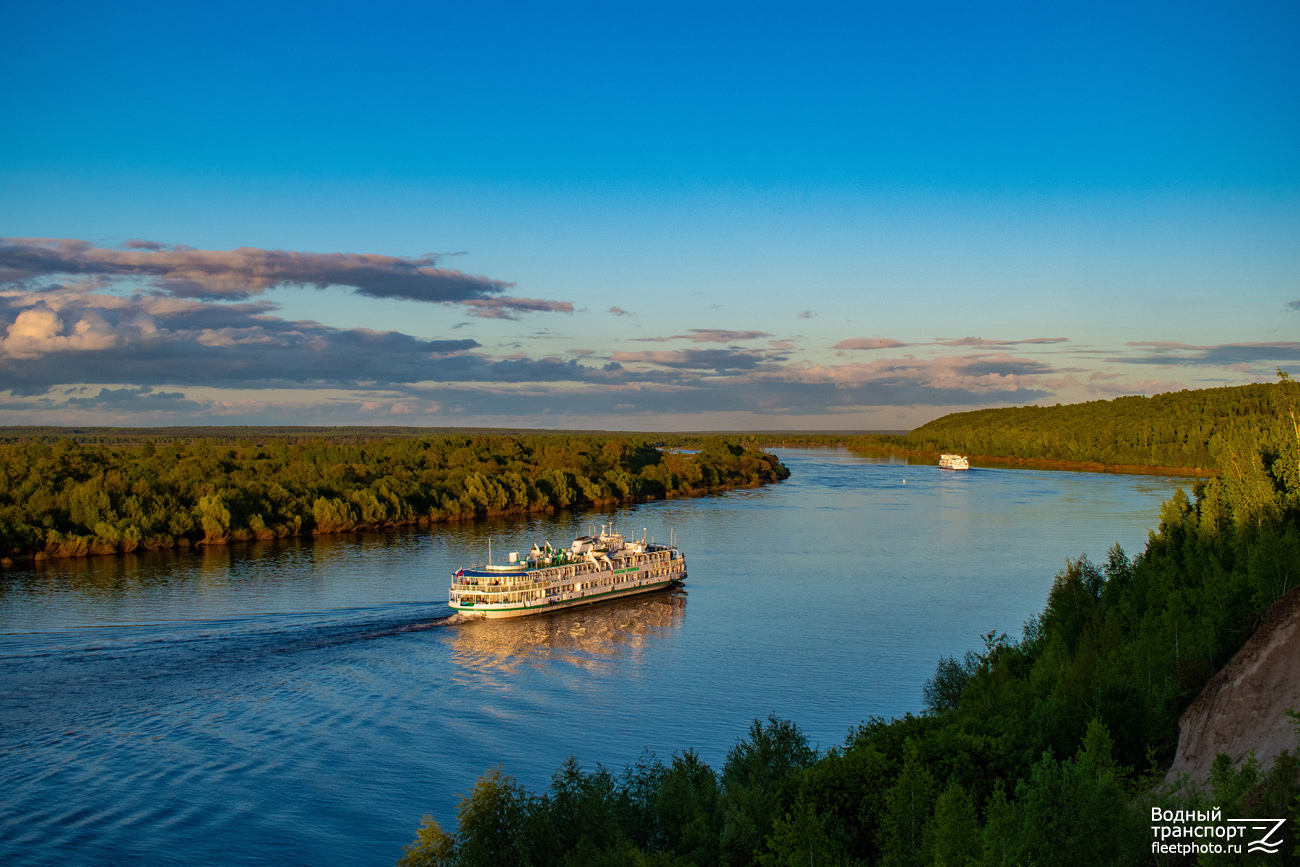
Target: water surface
(305, 702)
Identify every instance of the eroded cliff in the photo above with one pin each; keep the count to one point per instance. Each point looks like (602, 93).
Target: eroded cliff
(1244, 705)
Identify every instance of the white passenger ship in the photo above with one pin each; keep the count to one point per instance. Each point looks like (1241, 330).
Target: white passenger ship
(593, 569)
(953, 462)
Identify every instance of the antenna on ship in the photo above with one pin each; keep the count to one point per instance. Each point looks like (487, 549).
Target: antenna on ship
(489, 550)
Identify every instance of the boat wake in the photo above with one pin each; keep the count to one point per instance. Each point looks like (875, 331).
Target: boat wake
(420, 626)
(276, 632)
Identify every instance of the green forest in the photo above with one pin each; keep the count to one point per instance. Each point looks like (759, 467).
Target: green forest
(66, 498)
(1206, 429)
(1047, 748)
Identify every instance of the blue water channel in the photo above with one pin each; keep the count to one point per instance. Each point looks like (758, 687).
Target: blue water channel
(306, 702)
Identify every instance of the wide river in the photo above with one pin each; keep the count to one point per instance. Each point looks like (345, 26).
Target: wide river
(306, 702)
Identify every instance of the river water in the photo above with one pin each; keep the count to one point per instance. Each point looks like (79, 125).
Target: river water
(305, 702)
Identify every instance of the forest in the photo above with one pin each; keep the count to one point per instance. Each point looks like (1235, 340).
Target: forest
(1204, 429)
(1047, 748)
(66, 498)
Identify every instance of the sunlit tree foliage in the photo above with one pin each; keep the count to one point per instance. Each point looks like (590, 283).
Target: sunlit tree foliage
(69, 498)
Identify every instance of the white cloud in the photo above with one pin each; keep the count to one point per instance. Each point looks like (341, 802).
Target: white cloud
(40, 330)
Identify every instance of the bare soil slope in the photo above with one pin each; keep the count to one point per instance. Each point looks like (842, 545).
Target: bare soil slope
(1243, 707)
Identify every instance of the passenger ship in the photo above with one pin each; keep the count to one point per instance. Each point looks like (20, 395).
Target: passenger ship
(953, 462)
(593, 569)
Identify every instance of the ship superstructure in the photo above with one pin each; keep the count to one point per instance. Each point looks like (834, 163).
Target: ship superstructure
(593, 568)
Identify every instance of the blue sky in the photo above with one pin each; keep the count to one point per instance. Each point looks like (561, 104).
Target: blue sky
(716, 216)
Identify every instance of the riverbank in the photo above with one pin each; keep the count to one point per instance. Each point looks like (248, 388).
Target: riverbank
(75, 500)
(1187, 431)
(99, 548)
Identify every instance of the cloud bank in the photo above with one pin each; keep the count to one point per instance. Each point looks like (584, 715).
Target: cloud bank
(185, 272)
(980, 342)
(157, 333)
(708, 335)
(73, 348)
(1238, 355)
(871, 343)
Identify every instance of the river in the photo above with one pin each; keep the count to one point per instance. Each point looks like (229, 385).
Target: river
(306, 701)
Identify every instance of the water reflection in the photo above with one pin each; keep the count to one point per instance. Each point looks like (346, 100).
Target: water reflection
(587, 638)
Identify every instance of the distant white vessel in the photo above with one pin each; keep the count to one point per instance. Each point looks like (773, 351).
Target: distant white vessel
(953, 462)
(592, 569)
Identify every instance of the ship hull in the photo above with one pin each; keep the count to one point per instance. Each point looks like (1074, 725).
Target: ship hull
(493, 612)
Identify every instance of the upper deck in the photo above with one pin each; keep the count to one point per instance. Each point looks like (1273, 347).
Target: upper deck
(531, 572)
(607, 552)
(591, 569)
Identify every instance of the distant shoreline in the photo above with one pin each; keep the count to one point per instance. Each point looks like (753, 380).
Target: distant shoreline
(1054, 464)
(1001, 460)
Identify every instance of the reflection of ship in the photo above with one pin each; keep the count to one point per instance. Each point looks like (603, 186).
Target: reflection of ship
(592, 569)
(588, 638)
(953, 462)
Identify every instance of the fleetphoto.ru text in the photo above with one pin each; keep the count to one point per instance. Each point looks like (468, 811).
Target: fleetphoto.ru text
(1206, 832)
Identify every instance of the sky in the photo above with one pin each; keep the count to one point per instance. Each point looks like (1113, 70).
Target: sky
(649, 217)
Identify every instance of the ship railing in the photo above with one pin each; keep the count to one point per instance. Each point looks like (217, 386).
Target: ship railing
(532, 585)
(490, 591)
(496, 594)
(490, 598)
(500, 587)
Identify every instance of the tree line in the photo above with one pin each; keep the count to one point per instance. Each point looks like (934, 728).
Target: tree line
(1200, 428)
(68, 498)
(1048, 748)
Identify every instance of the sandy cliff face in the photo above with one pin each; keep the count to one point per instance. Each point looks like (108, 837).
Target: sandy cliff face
(1243, 707)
